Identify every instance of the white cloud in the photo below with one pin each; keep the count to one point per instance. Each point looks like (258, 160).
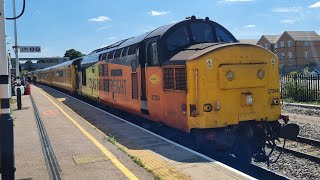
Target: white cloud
(103, 28)
(158, 13)
(225, 1)
(100, 19)
(287, 10)
(289, 21)
(112, 38)
(315, 5)
(250, 26)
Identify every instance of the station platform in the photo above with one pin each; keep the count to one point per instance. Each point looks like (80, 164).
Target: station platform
(57, 140)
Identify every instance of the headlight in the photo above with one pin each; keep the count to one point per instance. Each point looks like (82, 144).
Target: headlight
(275, 101)
(230, 75)
(249, 100)
(260, 74)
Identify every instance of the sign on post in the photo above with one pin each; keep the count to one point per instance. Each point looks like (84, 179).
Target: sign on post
(30, 49)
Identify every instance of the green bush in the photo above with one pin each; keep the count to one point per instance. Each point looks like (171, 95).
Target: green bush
(298, 91)
(293, 73)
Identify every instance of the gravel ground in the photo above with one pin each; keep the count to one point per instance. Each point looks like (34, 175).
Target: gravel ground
(295, 168)
(300, 110)
(289, 165)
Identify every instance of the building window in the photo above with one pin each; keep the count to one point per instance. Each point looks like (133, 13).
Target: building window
(266, 45)
(289, 54)
(282, 55)
(275, 45)
(282, 44)
(306, 43)
(289, 43)
(306, 54)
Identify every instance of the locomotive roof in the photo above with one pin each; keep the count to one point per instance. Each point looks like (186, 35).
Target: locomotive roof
(161, 31)
(94, 56)
(198, 50)
(136, 39)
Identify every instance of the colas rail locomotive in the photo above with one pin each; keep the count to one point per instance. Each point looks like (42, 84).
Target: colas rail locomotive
(192, 75)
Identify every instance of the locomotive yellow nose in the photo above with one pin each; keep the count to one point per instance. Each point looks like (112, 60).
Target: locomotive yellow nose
(240, 83)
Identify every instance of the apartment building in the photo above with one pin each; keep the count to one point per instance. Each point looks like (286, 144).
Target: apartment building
(268, 41)
(295, 49)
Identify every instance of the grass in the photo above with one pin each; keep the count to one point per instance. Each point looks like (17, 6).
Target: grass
(135, 159)
(111, 139)
(158, 178)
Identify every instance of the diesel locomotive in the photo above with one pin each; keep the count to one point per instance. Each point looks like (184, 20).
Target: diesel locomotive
(192, 75)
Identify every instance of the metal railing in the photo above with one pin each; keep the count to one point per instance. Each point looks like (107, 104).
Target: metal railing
(301, 88)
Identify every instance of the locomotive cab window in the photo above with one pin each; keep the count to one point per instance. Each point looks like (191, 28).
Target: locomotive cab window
(223, 35)
(201, 32)
(152, 54)
(179, 38)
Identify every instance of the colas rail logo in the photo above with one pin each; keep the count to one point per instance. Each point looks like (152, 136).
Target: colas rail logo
(154, 79)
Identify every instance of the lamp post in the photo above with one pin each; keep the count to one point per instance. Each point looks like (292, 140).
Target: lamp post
(6, 122)
(16, 47)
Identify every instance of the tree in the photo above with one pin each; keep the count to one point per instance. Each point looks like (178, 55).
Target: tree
(41, 61)
(72, 54)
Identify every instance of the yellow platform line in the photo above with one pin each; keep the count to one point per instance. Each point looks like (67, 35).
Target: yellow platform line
(112, 157)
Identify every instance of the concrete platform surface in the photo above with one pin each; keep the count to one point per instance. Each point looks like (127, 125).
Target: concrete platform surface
(81, 152)
(165, 159)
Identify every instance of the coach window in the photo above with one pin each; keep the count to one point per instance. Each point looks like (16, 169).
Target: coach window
(110, 55)
(117, 53)
(84, 77)
(152, 54)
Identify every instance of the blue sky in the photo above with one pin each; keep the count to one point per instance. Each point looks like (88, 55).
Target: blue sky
(59, 25)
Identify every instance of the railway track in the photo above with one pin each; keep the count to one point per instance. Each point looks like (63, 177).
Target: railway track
(304, 148)
(307, 106)
(252, 170)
